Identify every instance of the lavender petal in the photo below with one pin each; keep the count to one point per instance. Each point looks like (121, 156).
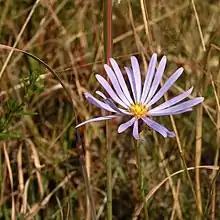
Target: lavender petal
(157, 78)
(166, 86)
(132, 82)
(126, 125)
(101, 94)
(98, 119)
(149, 77)
(98, 103)
(162, 113)
(109, 102)
(181, 106)
(112, 105)
(135, 131)
(137, 76)
(110, 91)
(158, 128)
(116, 84)
(174, 100)
(121, 80)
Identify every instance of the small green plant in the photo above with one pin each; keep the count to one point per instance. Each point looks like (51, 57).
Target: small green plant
(13, 110)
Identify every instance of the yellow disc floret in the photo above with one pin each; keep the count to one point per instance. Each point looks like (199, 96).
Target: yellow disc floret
(138, 110)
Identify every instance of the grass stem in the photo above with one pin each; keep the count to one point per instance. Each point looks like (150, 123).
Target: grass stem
(107, 31)
(140, 177)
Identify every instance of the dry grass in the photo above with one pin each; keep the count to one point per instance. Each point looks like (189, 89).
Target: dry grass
(40, 172)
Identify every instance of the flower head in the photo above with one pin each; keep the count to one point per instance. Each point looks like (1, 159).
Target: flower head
(137, 104)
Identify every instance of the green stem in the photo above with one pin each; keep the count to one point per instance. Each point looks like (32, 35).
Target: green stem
(109, 171)
(141, 178)
(108, 51)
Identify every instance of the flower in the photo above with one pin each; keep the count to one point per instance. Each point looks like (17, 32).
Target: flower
(138, 106)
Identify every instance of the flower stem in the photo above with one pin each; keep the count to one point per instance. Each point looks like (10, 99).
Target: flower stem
(109, 172)
(108, 51)
(140, 178)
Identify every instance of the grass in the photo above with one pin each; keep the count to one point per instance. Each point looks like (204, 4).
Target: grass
(40, 168)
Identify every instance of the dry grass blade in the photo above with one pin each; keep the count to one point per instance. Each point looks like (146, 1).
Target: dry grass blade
(199, 123)
(138, 42)
(198, 24)
(35, 208)
(25, 205)
(20, 170)
(176, 201)
(216, 161)
(38, 167)
(19, 36)
(60, 208)
(182, 155)
(152, 22)
(8, 164)
(177, 206)
(154, 190)
(88, 167)
(146, 24)
(198, 153)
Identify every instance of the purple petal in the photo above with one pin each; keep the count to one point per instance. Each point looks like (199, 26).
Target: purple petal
(121, 80)
(166, 86)
(126, 125)
(158, 127)
(137, 76)
(114, 107)
(180, 107)
(162, 113)
(109, 102)
(110, 91)
(115, 84)
(98, 119)
(135, 131)
(174, 100)
(149, 77)
(157, 78)
(132, 82)
(98, 103)
(101, 94)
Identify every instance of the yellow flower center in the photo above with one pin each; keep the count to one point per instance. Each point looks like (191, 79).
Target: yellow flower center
(138, 110)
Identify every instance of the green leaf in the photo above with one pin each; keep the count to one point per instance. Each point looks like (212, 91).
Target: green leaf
(7, 135)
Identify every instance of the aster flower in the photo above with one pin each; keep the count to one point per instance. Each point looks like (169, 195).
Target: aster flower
(137, 104)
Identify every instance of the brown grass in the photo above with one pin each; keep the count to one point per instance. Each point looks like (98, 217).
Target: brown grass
(40, 171)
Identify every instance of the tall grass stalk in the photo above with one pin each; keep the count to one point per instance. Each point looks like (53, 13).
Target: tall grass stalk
(183, 160)
(140, 177)
(107, 32)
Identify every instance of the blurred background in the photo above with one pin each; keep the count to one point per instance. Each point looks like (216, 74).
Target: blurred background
(40, 171)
